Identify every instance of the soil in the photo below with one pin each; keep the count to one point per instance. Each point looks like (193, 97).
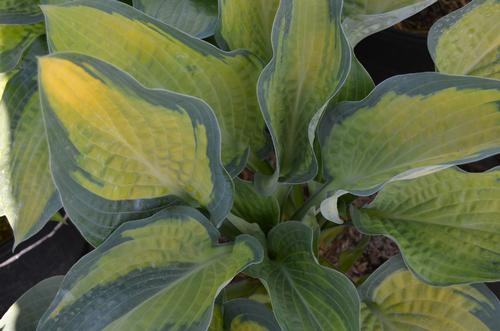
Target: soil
(421, 23)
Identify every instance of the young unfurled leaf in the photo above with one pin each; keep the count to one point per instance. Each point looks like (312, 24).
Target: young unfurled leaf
(253, 207)
(121, 152)
(25, 313)
(394, 299)
(195, 17)
(14, 40)
(28, 196)
(305, 295)
(447, 224)
(363, 18)
(310, 63)
(160, 56)
(467, 41)
(248, 24)
(161, 273)
(248, 315)
(409, 126)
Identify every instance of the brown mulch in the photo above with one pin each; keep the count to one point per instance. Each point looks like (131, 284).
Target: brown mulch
(422, 22)
(378, 250)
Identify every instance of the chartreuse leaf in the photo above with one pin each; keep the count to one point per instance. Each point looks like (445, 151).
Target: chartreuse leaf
(253, 207)
(195, 17)
(160, 56)
(19, 12)
(161, 273)
(363, 18)
(25, 313)
(14, 40)
(409, 126)
(310, 63)
(248, 24)
(467, 41)
(120, 151)
(447, 224)
(305, 295)
(394, 299)
(28, 196)
(246, 315)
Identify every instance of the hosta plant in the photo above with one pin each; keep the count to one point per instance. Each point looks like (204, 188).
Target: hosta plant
(205, 172)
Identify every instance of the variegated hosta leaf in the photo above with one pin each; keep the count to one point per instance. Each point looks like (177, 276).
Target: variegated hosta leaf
(253, 207)
(14, 40)
(310, 63)
(161, 273)
(19, 11)
(248, 315)
(394, 299)
(120, 151)
(409, 126)
(363, 18)
(447, 224)
(28, 196)
(25, 313)
(467, 41)
(195, 17)
(248, 24)
(160, 56)
(305, 295)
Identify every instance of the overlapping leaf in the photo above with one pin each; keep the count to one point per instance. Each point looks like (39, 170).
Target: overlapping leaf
(14, 40)
(310, 63)
(363, 18)
(25, 313)
(245, 314)
(467, 41)
(160, 56)
(253, 207)
(394, 299)
(357, 85)
(409, 126)
(248, 24)
(195, 17)
(161, 273)
(28, 196)
(121, 152)
(305, 296)
(447, 224)
(19, 11)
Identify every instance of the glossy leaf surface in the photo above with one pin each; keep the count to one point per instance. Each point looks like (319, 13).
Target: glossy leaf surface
(394, 299)
(161, 273)
(310, 63)
(195, 17)
(28, 196)
(305, 295)
(409, 126)
(467, 42)
(160, 56)
(248, 24)
(120, 151)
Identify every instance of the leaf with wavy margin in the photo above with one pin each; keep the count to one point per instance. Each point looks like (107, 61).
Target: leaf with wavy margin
(120, 151)
(160, 56)
(394, 299)
(467, 41)
(410, 126)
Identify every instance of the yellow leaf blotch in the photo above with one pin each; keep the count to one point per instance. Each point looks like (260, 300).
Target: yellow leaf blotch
(127, 147)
